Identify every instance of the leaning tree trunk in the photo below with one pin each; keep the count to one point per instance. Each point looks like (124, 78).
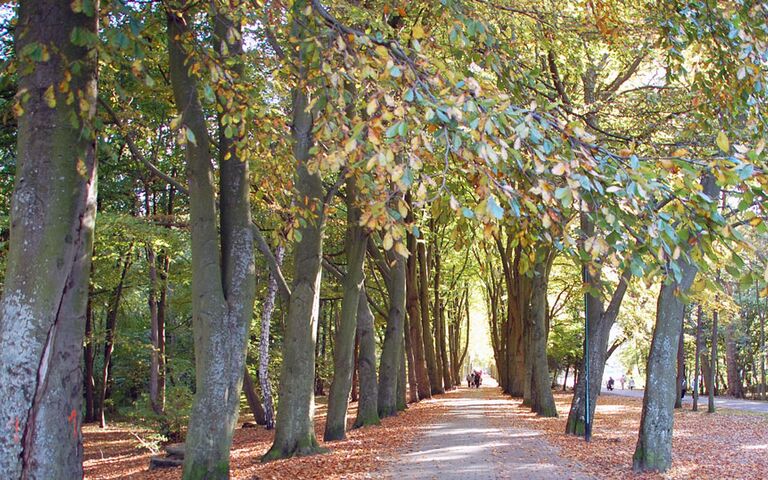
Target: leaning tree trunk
(223, 271)
(391, 351)
(368, 401)
(295, 431)
(43, 305)
(344, 350)
(264, 338)
(542, 401)
(654, 444)
(426, 330)
(253, 398)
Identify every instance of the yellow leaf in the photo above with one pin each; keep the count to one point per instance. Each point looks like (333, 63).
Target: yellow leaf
(558, 169)
(681, 152)
(722, 142)
(50, 97)
(418, 32)
(400, 248)
(373, 105)
(388, 241)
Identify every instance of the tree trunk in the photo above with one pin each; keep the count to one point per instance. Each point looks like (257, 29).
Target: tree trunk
(253, 399)
(413, 388)
(88, 381)
(295, 432)
(440, 333)
(157, 334)
(367, 405)
(565, 377)
(109, 341)
(223, 271)
(264, 342)
(391, 351)
(696, 368)
(713, 363)
(735, 388)
(653, 452)
(43, 304)
(542, 401)
(426, 330)
(680, 364)
(402, 377)
(414, 320)
(761, 314)
(344, 350)
(353, 396)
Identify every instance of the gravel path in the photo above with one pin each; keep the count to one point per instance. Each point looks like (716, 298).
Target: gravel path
(475, 440)
(720, 402)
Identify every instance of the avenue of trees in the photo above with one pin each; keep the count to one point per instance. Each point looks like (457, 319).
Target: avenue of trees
(208, 200)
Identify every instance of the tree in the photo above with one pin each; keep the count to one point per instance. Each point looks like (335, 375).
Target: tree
(43, 306)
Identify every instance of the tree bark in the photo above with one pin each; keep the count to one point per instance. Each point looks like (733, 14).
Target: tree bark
(713, 364)
(426, 330)
(367, 405)
(253, 398)
(542, 401)
(735, 388)
(43, 304)
(413, 388)
(414, 320)
(264, 341)
(696, 368)
(654, 444)
(439, 316)
(223, 271)
(157, 339)
(344, 350)
(391, 351)
(680, 364)
(89, 360)
(109, 340)
(295, 432)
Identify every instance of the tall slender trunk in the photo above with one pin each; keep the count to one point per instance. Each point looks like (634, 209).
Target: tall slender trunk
(367, 405)
(735, 388)
(344, 349)
(89, 360)
(696, 368)
(264, 341)
(353, 396)
(426, 330)
(761, 314)
(439, 316)
(391, 351)
(713, 363)
(680, 365)
(223, 270)
(109, 340)
(295, 432)
(413, 388)
(156, 395)
(414, 319)
(53, 209)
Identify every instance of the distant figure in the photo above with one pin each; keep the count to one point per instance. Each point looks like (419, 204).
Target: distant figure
(610, 384)
(623, 380)
(631, 383)
(469, 380)
(683, 388)
(478, 378)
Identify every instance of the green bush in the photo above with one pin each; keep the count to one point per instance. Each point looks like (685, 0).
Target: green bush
(170, 427)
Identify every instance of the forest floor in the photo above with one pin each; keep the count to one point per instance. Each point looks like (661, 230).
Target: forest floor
(475, 434)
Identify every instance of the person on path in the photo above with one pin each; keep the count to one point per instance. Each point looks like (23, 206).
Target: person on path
(623, 380)
(631, 383)
(610, 384)
(469, 380)
(683, 388)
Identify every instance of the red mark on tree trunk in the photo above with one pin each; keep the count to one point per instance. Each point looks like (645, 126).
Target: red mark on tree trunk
(73, 420)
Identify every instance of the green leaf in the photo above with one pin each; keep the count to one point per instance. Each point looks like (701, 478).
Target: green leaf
(722, 142)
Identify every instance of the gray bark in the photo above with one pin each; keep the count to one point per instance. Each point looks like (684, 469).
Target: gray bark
(391, 351)
(264, 339)
(367, 405)
(414, 317)
(344, 350)
(253, 398)
(43, 306)
(223, 271)
(542, 401)
(429, 344)
(680, 365)
(712, 364)
(439, 318)
(696, 368)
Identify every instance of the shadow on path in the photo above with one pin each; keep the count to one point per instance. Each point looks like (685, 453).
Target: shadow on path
(477, 439)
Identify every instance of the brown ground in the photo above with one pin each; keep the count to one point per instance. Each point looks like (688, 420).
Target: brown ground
(115, 453)
(725, 445)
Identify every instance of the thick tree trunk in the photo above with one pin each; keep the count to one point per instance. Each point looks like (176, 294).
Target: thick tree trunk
(344, 350)
(264, 341)
(367, 405)
(542, 401)
(223, 271)
(391, 351)
(402, 377)
(43, 305)
(253, 398)
(426, 330)
(109, 340)
(654, 444)
(696, 368)
(414, 321)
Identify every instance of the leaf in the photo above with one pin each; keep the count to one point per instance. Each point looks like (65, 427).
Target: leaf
(388, 241)
(401, 249)
(418, 32)
(722, 142)
(50, 97)
(372, 106)
(191, 136)
(494, 208)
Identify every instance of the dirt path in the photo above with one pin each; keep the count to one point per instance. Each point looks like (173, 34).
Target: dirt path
(477, 439)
